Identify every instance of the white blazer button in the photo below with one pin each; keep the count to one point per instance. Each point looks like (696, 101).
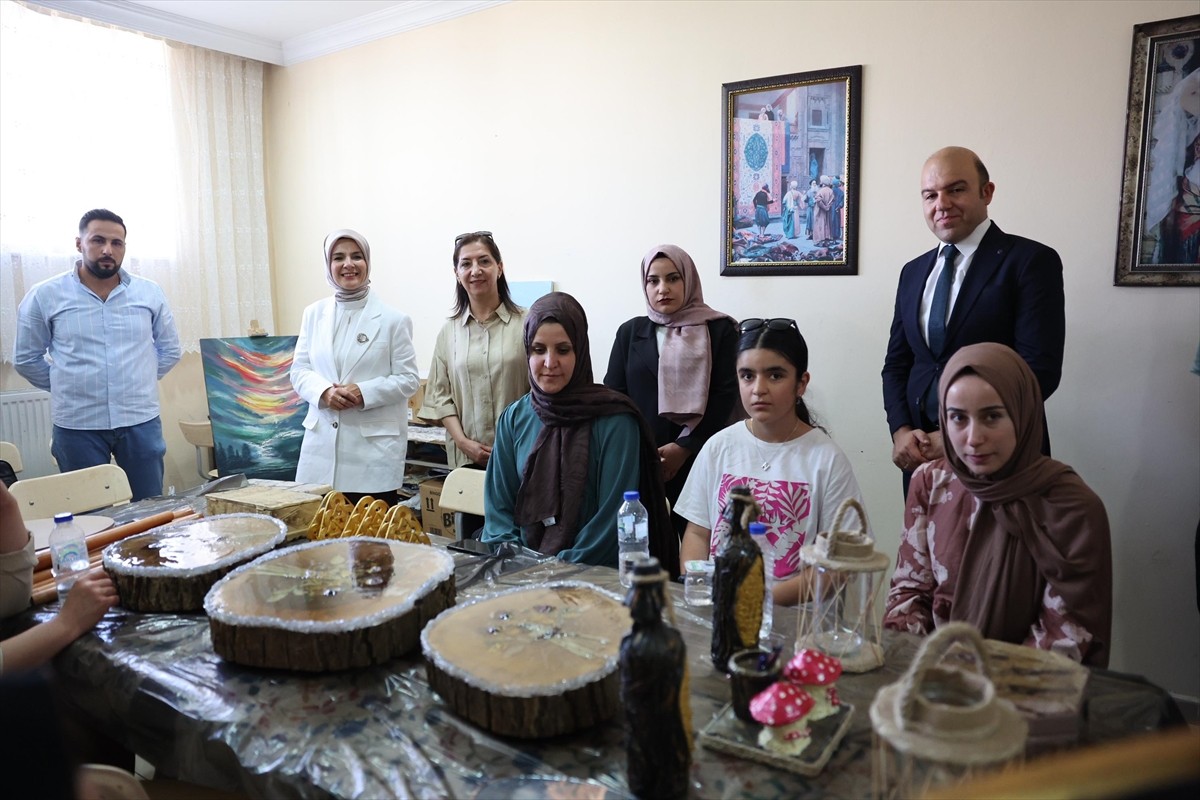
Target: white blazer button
(335, 424)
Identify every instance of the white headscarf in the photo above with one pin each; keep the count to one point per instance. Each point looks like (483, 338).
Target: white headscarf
(331, 240)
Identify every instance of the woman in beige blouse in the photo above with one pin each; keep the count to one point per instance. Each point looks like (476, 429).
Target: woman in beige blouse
(479, 364)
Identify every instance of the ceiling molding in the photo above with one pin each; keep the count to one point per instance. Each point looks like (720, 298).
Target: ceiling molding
(171, 26)
(404, 16)
(369, 27)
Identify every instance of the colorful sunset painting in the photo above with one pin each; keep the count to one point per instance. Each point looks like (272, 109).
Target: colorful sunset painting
(256, 414)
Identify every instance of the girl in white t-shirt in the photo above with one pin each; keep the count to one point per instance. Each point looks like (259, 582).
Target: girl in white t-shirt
(796, 473)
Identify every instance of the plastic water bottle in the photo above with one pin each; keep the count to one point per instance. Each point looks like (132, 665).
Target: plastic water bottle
(758, 532)
(68, 553)
(633, 534)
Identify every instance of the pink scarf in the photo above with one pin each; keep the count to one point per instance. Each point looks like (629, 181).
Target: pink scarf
(685, 363)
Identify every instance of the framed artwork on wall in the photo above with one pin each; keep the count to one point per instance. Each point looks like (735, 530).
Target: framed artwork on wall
(1158, 234)
(790, 180)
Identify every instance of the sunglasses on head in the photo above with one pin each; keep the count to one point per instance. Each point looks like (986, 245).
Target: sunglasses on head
(776, 324)
(470, 235)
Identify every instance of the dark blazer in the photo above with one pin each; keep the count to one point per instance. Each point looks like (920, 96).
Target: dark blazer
(633, 371)
(1012, 294)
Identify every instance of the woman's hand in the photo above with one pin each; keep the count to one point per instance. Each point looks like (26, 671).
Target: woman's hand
(478, 452)
(672, 457)
(91, 596)
(342, 398)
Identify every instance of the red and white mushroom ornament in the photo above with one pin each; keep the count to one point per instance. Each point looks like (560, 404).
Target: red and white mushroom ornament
(816, 673)
(782, 708)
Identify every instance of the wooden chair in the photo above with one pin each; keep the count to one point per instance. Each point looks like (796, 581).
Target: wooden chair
(78, 491)
(462, 493)
(200, 435)
(10, 453)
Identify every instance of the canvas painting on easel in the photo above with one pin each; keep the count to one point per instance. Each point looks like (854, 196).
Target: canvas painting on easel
(257, 417)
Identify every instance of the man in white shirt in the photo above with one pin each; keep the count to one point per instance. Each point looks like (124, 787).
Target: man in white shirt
(99, 339)
(999, 288)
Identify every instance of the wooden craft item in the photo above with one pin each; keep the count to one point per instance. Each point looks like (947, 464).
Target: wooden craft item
(98, 541)
(1046, 688)
(294, 509)
(369, 517)
(942, 714)
(172, 568)
(329, 605)
(532, 661)
(45, 587)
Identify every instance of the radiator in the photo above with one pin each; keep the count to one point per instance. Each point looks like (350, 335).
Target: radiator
(25, 421)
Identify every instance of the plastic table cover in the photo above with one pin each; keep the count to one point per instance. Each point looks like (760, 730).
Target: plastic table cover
(153, 683)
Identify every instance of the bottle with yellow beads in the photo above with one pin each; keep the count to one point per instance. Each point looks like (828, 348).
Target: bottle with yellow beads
(739, 582)
(654, 690)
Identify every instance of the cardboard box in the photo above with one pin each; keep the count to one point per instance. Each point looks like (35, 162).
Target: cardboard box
(415, 402)
(434, 519)
(294, 509)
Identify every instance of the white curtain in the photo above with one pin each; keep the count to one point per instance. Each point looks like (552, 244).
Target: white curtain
(167, 136)
(223, 263)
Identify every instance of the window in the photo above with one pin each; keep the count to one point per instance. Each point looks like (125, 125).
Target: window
(96, 117)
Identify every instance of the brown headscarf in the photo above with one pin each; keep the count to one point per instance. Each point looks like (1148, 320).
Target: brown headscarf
(685, 363)
(1039, 524)
(330, 241)
(554, 480)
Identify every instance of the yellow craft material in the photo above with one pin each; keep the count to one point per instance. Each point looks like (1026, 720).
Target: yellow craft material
(369, 517)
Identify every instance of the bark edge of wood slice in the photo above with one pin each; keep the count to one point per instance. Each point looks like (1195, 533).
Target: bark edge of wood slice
(329, 605)
(530, 662)
(170, 569)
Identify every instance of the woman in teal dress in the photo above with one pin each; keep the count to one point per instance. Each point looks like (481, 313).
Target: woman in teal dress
(567, 452)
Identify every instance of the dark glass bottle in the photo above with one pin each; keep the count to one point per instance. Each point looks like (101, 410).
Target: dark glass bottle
(738, 582)
(654, 691)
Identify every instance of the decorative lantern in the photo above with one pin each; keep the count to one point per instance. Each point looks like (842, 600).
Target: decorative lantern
(842, 619)
(940, 725)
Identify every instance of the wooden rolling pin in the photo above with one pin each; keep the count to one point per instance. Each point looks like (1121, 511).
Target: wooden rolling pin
(45, 588)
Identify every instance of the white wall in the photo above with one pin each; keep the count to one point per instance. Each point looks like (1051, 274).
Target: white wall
(583, 133)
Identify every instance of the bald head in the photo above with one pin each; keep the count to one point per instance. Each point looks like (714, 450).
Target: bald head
(962, 155)
(955, 193)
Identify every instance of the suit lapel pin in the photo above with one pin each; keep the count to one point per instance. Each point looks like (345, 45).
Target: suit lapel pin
(362, 338)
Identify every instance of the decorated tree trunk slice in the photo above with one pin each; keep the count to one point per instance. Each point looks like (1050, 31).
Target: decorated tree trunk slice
(329, 605)
(530, 662)
(172, 568)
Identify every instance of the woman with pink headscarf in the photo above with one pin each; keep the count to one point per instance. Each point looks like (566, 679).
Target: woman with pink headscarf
(677, 364)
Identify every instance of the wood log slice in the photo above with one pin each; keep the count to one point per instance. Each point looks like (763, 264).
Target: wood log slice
(172, 568)
(330, 605)
(530, 662)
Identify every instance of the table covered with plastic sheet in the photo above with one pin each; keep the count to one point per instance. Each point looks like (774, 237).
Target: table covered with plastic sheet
(153, 682)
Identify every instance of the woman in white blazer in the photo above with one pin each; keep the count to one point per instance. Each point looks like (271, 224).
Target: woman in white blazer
(356, 366)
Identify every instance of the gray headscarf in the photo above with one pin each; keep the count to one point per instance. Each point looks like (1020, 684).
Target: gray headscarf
(340, 294)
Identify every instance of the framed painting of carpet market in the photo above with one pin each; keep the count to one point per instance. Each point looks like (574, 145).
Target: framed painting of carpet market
(790, 181)
(1158, 232)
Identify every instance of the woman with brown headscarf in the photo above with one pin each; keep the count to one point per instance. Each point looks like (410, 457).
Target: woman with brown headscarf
(566, 452)
(996, 534)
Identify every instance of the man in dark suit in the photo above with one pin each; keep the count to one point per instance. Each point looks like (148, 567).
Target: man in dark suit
(999, 288)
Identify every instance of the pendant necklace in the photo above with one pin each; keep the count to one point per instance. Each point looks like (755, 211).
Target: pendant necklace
(766, 464)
